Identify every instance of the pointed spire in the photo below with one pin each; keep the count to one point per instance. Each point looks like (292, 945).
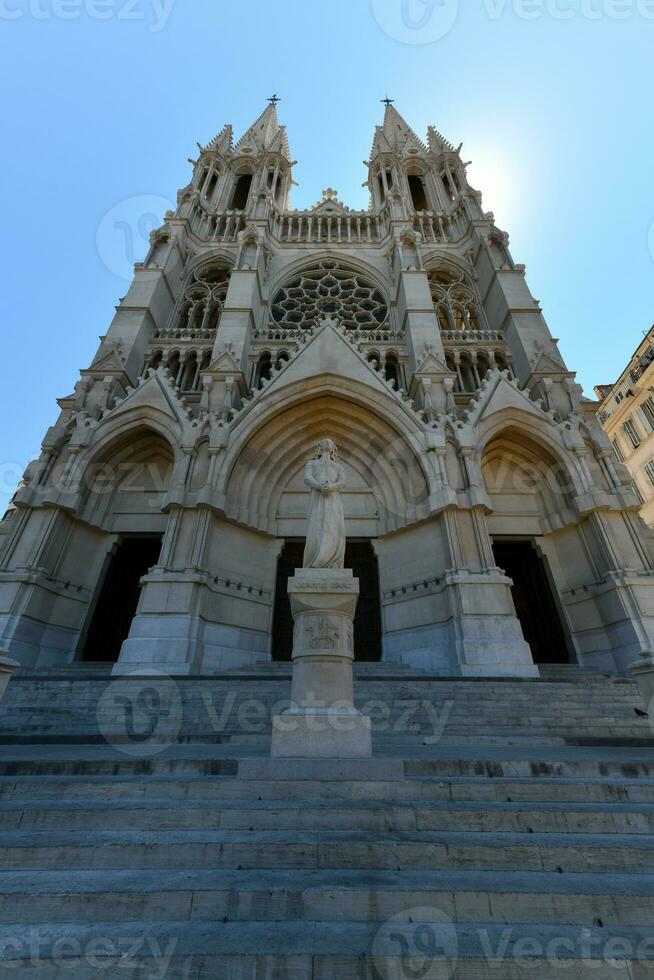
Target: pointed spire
(266, 133)
(222, 142)
(394, 135)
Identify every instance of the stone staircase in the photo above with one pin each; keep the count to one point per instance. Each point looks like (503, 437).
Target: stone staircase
(504, 829)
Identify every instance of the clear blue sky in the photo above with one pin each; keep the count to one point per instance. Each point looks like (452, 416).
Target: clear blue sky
(551, 98)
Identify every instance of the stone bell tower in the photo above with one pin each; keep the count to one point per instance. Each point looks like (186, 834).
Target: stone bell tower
(489, 524)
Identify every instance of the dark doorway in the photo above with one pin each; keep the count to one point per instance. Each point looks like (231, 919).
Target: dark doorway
(533, 600)
(360, 557)
(119, 596)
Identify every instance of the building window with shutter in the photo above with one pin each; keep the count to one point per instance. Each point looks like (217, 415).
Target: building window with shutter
(632, 433)
(649, 471)
(618, 451)
(647, 409)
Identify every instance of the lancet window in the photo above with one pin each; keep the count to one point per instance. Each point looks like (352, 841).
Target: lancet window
(455, 302)
(201, 305)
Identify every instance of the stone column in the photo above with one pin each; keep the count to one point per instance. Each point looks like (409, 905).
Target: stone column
(322, 721)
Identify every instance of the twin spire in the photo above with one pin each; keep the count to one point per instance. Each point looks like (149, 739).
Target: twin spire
(267, 134)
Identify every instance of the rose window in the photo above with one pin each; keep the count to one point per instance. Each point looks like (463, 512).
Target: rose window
(329, 290)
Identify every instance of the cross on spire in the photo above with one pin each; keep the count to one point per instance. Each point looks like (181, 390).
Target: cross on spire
(274, 99)
(388, 102)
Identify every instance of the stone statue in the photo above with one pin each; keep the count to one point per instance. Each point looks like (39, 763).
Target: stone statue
(325, 546)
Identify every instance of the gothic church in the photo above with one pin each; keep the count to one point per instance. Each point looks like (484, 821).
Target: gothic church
(488, 520)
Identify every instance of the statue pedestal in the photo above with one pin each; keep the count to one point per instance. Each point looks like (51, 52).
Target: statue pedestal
(322, 722)
(7, 667)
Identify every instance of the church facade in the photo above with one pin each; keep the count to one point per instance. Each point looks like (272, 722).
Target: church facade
(489, 522)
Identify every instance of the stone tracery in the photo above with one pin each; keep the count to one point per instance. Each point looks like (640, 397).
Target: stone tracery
(455, 303)
(329, 289)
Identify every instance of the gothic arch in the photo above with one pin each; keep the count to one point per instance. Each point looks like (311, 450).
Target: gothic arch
(214, 255)
(137, 462)
(380, 451)
(527, 444)
(126, 426)
(348, 261)
(437, 260)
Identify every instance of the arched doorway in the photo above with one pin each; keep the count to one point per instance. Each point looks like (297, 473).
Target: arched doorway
(534, 601)
(529, 490)
(124, 493)
(361, 558)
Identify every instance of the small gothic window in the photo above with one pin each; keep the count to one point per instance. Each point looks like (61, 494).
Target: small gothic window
(382, 189)
(264, 368)
(418, 195)
(328, 289)
(392, 369)
(241, 192)
(212, 186)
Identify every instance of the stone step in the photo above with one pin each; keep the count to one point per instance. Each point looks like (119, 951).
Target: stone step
(323, 895)
(301, 815)
(111, 790)
(425, 850)
(540, 764)
(301, 950)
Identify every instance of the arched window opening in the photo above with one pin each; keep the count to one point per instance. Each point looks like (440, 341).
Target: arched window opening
(418, 192)
(282, 358)
(483, 364)
(173, 364)
(264, 368)
(211, 187)
(468, 381)
(241, 192)
(501, 362)
(188, 379)
(389, 179)
(455, 302)
(382, 189)
(392, 369)
(329, 290)
(155, 359)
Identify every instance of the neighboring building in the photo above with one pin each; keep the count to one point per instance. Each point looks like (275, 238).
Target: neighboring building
(626, 413)
(405, 332)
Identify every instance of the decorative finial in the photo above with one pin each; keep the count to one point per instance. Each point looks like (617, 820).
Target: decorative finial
(274, 99)
(388, 102)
